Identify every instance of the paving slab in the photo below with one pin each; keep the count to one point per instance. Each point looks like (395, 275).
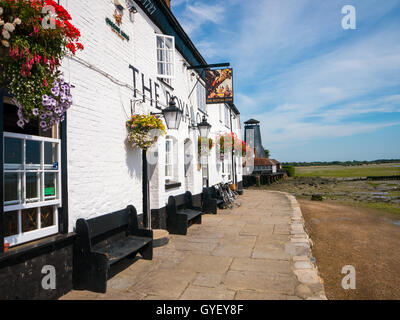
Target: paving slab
(205, 263)
(200, 293)
(259, 251)
(210, 280)
(261, 265)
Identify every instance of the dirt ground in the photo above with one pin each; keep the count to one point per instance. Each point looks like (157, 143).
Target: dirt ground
(365, 238)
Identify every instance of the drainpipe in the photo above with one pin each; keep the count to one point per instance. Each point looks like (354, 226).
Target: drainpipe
(1, 173)
(145, 189)
(233, 158)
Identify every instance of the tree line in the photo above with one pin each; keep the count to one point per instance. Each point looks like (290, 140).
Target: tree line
(340, 163)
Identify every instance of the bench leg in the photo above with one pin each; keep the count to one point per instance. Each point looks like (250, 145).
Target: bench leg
(97, 275)
(178, 225)
(210, 206)
(147, 251)
(198, 219)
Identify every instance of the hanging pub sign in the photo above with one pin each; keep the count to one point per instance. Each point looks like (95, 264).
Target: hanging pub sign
(219, 86)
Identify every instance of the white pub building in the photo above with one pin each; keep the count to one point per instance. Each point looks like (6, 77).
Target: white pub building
(85, 167)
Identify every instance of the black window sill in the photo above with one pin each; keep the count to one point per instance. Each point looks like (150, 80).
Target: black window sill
(36, 246)
(172, 185)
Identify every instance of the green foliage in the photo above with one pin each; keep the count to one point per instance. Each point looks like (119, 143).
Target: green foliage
(144, 130)
(291, 170)
(348, 171)
(267, 153)
(340, 163)
(30, 55)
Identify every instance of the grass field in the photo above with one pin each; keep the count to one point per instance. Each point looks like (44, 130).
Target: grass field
(349, 172)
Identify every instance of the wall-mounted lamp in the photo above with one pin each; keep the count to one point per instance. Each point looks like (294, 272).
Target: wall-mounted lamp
(172, 115)
(204, 128)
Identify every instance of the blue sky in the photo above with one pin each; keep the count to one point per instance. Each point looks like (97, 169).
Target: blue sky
(320, 92)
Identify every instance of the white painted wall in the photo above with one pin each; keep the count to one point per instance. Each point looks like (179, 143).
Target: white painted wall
(104, 172)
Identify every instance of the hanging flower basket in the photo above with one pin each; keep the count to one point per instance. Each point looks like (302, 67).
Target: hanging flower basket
(144, 130)
(32, 44)
(208, 147)
(232, 143)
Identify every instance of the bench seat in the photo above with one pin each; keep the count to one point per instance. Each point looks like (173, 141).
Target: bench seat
(212, 200)
(102, 242)
(190, 213)
(119, 250)
(181, 213)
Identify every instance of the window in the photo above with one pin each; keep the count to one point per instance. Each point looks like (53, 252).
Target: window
(165, 57)
(32, 190)
(169, 145)
(227, 117)
(201, 97)
(204, 170)
(229, 171)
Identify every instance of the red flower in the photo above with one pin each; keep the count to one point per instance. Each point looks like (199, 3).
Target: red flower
(71, 47)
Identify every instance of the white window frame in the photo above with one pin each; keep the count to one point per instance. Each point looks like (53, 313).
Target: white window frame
(201, 96)
(227, 116)
(22, 237)
(169, 54)
(171, 158)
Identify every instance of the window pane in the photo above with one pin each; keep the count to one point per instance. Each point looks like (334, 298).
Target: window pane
(47, 217)
(32, 153)
(49, 184)
(32, 189)
(29, 220)
(160, 42)
(10, 223)
(12, 192)
(161, 68)
(168, 56)
(51, 155)
(13, 153)
(168, 43)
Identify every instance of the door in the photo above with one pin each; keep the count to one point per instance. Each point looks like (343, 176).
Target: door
(188, 165)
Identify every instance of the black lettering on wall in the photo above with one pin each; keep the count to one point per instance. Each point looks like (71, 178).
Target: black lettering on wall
(150, 90)
(134, 71)
(156, 86)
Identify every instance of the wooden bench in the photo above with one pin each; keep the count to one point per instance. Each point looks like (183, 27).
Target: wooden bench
(212, 200)
(105, 240)
(181, 213)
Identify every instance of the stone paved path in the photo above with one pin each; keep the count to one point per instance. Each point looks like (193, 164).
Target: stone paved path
(259, 251)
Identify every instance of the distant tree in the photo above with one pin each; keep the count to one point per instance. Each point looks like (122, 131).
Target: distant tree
(267, 153)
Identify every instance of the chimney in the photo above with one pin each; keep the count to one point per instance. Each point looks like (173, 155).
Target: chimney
(168, 2)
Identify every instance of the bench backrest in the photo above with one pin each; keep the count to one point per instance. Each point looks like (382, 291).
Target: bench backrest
(180, 202)
(125, 219)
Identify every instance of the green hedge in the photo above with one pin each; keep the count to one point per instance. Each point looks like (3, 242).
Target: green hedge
(291, 170)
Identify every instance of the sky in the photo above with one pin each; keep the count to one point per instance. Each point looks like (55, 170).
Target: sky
(321, 92)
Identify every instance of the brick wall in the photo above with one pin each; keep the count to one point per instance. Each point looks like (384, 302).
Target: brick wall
(104, 172)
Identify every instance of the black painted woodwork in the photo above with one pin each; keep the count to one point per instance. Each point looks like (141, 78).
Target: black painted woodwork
(212, 200)
(1, 172)
(181, 213)
(63, 212)
(105, 240)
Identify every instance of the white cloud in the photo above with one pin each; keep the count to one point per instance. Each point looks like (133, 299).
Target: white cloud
(197, 14)
(299, 72)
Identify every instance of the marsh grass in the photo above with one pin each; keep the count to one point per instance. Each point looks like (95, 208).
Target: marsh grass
(348, 172)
